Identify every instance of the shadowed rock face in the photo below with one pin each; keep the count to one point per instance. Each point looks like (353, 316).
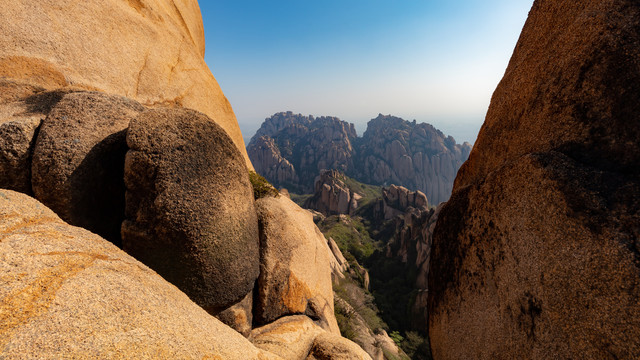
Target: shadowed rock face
(537, 253)
(22, 109)
(190, 212)
(78, 160)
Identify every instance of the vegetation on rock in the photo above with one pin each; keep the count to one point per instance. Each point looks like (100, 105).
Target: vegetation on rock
(261, 187)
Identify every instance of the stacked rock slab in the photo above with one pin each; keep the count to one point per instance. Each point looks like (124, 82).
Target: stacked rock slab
(190, 212)
(78, 160)
(67, 293)
(149, 50)
(537, 253)
(295, 277)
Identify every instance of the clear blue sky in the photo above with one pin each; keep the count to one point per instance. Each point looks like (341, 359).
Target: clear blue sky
(433, 61)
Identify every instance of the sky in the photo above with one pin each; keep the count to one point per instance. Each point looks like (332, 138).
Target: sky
(432, 61)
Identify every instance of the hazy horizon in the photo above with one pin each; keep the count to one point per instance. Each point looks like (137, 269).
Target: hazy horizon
(435, 62)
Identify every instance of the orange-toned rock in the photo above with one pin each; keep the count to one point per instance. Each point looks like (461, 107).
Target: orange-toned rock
(298, 338)
(68, 294)
(148, 50)
(295, 273)
(537, 253)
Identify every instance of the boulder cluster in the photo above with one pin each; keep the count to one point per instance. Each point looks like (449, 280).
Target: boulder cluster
(128, 226)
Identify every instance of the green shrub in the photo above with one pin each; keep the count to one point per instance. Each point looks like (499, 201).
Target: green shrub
(261, 187)
(396, 337)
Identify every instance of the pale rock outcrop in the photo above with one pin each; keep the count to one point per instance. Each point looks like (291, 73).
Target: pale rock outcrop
(190, 211)
(337, 261)
(396, 201)
(299, 338)
(149, 50)
(536, 255)
(78, 160)
(272, 165)
(295, 274)
(290, 337)
(332, 196)
(68, 293)
(327, 346)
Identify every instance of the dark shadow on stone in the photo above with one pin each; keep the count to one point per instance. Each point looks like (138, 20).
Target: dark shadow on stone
(98, 191)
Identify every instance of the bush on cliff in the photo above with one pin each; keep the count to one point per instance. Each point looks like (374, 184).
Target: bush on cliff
(261, 187)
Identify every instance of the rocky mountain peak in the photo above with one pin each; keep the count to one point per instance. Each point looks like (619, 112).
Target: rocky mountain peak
(391, 151)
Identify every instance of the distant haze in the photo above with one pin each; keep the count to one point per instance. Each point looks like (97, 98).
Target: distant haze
(432, 61)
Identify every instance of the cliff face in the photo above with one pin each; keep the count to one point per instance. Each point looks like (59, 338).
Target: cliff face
(148, 50)
(536, 255)
(411, 242)
(304, 146)
(416, 156)
(392, 150)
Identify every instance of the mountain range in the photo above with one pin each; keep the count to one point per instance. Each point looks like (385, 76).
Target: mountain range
(290, 150)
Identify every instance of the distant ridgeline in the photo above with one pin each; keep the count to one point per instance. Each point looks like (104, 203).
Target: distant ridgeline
(290, 150)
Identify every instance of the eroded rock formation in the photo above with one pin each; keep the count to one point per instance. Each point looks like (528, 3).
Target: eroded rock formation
(536, 255)
(414, 223)
(291, 150)
(332, 196)
(416, 156)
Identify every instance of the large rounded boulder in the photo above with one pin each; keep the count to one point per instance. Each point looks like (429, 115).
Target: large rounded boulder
(190, 212)
(78, 160)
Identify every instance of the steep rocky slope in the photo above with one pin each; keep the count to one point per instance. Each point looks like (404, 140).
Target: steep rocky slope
(291, 150)
(537, 253)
